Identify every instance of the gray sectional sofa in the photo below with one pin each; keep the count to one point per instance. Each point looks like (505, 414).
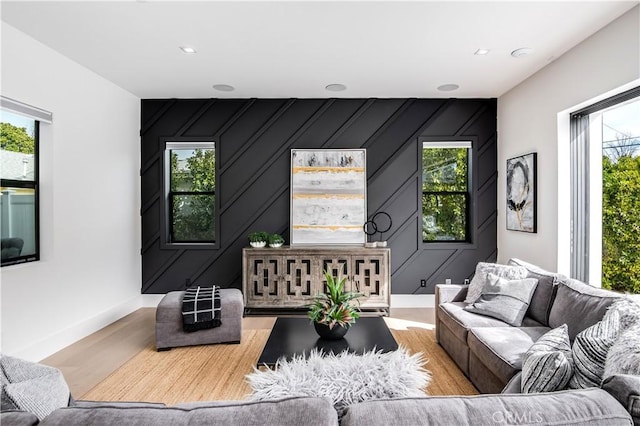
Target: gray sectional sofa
(489, 351)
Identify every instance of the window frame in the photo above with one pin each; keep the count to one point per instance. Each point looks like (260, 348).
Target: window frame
(581, 257)
(27, 184)
(167, 213)
(471, 198)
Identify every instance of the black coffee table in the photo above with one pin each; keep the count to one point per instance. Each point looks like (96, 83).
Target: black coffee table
(294, 336)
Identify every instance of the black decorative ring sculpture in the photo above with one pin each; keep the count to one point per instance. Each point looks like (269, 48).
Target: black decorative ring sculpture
(372, 226)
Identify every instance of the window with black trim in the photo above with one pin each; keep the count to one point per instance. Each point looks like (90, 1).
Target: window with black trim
(19, 188)
(191, 192)
(445, 191)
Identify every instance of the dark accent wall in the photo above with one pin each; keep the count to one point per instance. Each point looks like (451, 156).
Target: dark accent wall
(253, 142)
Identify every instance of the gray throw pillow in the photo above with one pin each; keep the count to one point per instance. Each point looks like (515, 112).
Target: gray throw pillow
(32, 387)
(505, 300)
(547, 365)
(483, 269)
(542, 299)
(624, 355)
(590, 349)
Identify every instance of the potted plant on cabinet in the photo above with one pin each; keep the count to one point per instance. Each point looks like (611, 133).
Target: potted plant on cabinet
(333, 312)
(258, 239)
(276, 240)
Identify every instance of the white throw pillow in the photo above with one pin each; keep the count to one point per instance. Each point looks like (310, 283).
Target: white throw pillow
(483, 269)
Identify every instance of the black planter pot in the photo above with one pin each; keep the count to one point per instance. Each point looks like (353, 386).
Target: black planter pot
(335, 333)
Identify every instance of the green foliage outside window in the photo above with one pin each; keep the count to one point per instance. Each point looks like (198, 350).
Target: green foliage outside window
(192, 192)
(444, 194)
(621, 224)
(16, 139)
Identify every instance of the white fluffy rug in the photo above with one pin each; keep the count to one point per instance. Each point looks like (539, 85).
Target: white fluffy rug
(344, 378)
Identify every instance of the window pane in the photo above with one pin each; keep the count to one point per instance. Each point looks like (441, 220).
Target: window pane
(193, 170)
(444, 217)
(193, 218)
(17, 147)
(444, 169)
(18, 211)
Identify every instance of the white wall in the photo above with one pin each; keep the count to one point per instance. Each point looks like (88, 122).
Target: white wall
(89, 274)
(533, 117)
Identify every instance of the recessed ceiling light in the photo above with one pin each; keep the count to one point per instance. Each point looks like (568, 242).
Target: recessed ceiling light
(448, 87)
(336, 87)
(187, 49)
(224, 87)
(481, 52)
(523, 51)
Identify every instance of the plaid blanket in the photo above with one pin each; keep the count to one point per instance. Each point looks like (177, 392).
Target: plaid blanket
(201, 308)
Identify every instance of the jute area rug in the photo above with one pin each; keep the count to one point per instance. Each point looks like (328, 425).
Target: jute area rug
(217, 372)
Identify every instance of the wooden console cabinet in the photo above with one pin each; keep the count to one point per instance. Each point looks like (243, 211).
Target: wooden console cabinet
(289, 277)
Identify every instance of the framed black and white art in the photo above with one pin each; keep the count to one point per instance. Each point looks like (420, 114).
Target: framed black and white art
(521, 193)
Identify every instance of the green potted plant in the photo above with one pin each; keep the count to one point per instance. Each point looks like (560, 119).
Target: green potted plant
(276, 240)
(333, 312)
(258, 239)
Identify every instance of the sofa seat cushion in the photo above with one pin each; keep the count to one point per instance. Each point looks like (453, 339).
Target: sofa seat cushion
(584, 407)
(501, 349)
(460, 321)
(579, 305)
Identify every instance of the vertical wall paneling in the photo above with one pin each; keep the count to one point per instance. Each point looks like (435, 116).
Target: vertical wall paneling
(253, 142)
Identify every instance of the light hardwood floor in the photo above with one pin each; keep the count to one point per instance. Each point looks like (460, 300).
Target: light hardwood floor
(88, 362)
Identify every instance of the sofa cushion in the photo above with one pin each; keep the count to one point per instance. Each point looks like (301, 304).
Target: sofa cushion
(579, 305)
(506, 300)
(543, 296)
(460, 321)
(624, 355)
(628, 310)
(501, 349)
(32, 387)
(18, 418)
(626, 389)
(289, 411)
(584, 407)
(590, 350)
(480, 277)
(547, 365)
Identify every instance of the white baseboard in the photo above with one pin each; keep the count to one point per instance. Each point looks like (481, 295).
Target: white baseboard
(151, 300)
(41, 349)
(397, 300)
(413, 301)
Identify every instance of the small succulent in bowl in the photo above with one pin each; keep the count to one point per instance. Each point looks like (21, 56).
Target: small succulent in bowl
(258, 239)
(276, 240)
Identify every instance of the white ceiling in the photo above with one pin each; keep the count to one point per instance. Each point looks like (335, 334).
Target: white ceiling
(296, 48)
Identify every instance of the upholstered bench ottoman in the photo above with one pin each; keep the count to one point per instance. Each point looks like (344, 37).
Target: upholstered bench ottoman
(169, 333)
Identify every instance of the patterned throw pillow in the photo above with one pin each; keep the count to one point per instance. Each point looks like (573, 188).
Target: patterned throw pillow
(483, 269)
(624, 355)
(505, 300)
(548, 364)
(590, 350)
(628, 309)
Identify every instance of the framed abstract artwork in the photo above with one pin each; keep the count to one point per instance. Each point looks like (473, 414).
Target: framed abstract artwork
(328, 196)
(521, 193)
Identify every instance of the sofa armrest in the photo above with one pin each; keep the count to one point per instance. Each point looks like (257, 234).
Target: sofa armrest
(626, 389)
(450, 293)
